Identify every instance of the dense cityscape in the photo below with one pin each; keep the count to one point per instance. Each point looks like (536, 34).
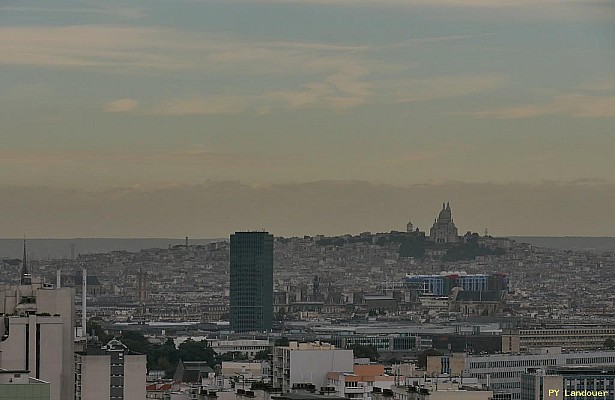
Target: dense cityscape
(405, 314)
(307, 200)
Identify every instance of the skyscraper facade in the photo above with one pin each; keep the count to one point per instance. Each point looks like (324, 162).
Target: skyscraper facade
(251, 289)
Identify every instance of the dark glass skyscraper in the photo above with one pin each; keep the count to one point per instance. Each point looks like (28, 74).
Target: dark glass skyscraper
(251, 307)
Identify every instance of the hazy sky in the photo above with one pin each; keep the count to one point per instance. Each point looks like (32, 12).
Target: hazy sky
(115, 112)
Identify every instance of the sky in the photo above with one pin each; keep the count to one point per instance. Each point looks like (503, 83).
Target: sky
(202, 117)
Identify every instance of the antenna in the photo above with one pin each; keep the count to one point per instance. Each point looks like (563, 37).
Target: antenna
(26, 277)
(84, 303)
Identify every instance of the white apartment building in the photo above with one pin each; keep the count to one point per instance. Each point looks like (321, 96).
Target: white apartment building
(37, 334)
(307, 363)
(110, 373)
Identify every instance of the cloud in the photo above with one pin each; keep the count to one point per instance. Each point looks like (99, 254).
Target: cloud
(411, 157)
(604, 85)
(118, 48)
(122, 106)
(573, 105)
(437, 3)
(196, 156)
(319, 75)
(339, 92)
(214, 105)
(311, 95)
(558, 11)
(121, 46)
(100, 46)
(439, 87)
(93, 8)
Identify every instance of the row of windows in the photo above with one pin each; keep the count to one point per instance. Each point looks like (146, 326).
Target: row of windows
(591, 360)
(597, 386)
(567, 331)
(506, 385)
(499, 375)
(588, 381)
(542, 362)
(541, 339)
(237, 348)
(513, 364)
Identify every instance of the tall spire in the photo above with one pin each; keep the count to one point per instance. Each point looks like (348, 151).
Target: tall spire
(25, 275)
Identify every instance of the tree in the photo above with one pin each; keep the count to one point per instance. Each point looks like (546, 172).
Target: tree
(93, 326)
(283, 341)
(362, 351)
(609, 343)
(422, 357)
(413, 247)
(135, 341)
(232, 356)
(262, 355)
(280, 315)
(191, 350)
(163, 357)
(260, 385)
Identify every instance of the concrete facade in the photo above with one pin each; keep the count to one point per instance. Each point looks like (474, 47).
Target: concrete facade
(111, 372)
(250, 347)
(135, 371)
(586, 382)
(440, 392)
(92, 382)
(38, 335)
(574, 337)
(308, 363)
(19, 385)
(361, 382)
(502, 372)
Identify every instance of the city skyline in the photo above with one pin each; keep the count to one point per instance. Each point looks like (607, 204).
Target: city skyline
(215, 210)
(119, 115)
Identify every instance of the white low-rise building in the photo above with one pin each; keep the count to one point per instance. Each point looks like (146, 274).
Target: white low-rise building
(444, 390)
(247, 346)
(502, 372)
(300, 363)
(360, 383)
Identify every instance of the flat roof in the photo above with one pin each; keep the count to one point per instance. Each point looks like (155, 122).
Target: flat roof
(307, 396)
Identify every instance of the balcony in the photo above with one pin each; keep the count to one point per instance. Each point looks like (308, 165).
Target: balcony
(356, 389)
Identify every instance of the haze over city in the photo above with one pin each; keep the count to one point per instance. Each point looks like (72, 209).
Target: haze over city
(199, 118)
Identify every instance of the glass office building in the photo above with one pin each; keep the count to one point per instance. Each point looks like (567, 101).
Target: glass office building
(251, 289)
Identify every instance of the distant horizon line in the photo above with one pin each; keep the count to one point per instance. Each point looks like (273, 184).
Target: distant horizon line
(21, 238)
